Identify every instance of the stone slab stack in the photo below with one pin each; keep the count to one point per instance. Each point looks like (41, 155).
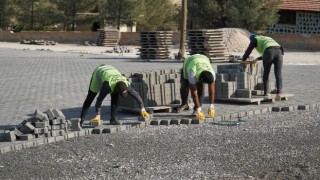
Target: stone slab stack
(156, 88)
(208, 42)
(51, 123)
(155, 45)
(108, 38)
(239, 81)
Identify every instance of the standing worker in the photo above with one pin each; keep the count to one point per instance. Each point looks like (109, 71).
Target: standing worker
(107, 79)
(197, 70)
(272, 53)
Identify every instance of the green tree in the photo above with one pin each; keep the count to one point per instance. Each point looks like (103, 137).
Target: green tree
(154, 15)
(75, 11)
(253, 15)
(117, 12)
(6, 13)
(203, 14)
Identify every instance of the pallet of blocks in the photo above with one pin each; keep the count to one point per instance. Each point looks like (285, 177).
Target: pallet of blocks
(155, 45)
(108, 38)
(242, 83)
(159, 90)
(208, 42)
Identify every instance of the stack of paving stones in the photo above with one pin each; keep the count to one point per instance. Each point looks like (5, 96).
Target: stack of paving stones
(208, 42)
(156, 88)
(239, 81)
(108, 38)
(155, 45)
(52, 123)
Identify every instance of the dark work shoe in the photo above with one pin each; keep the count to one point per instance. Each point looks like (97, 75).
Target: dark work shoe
(182, 107)
(115, 122)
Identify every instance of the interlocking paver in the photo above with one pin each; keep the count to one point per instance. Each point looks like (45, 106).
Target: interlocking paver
(31, 80)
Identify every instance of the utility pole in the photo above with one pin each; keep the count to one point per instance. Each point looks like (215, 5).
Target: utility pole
(183, 30)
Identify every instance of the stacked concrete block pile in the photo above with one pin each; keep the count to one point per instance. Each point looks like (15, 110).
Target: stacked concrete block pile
(108, 38)
(51, 123)
(157, 88)
(239, 81)
(208, 42)
(155, 45)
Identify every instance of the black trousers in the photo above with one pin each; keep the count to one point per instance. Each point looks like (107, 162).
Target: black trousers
(272, 56)
(184, 90)
(89, 99)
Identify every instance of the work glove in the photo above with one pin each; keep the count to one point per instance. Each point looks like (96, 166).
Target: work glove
(211, 111)
(144, 113)
(200, 114)
(97, 118)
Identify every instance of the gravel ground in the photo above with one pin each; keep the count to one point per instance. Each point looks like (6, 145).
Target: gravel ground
(268, 146)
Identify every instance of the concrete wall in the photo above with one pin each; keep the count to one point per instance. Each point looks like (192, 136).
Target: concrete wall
(298, 41)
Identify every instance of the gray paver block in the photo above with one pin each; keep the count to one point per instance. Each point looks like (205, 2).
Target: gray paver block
(41, 124)
(72, 135)
(165, 122)
(75, 124)
(303, 107)
(121, 128)
(288, 108)
(26, 128)
(26, 137)
(175, 121)
(51, 139)
(196, 121)
(217, 118)
(276, 109)
(59, 138)
(58, 114)
(185, 121)
(110, 130)
(257, 111)
(155, 122)
(50, 114)
(96, 131)
(94, 123)
(10, 136)
(41, 116)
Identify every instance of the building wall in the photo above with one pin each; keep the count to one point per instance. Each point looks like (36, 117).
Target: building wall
(306, 23)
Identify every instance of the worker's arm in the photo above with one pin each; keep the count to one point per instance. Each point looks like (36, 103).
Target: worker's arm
(194, 93)
(104, 91)
(252, 45)
(211, 92)
(133, 93)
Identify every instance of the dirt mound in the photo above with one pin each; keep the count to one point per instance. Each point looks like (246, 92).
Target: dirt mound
(236, 40)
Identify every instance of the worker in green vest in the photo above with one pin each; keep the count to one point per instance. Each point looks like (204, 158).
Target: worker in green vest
(196, 71)
(107, 79)
(272, 53)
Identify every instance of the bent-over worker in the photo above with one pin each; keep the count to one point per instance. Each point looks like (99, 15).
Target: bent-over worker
(107, 79)
(196, 71)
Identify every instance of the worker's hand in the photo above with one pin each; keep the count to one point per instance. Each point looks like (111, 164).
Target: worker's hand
(97, 118)
(211, 111)
(144, 113)
(200, 114)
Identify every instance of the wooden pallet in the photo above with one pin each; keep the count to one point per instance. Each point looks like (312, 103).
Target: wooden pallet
(254, 99)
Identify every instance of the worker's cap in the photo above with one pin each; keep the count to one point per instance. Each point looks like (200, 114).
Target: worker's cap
(253, 36)
(122, 88)
(207, 77)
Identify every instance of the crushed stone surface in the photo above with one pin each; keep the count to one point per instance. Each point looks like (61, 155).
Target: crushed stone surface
(268, 146)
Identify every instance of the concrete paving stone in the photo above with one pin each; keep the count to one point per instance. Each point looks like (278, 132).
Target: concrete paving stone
(71, 135)
(234, 115)
(242, 114)
(50, 114)
(28, 144)
(196, 121)
(26, 128)
(264, 110)
(94, 123)
(10, 136)
(26, 137)
(218, 118)
(175, 121)
(81, 133)
(287, 108)
(41, 124)
(96, 131)
(257, 111)
(18, 147)
(41, 116)
(110, 130)
(250, 113)
(40, 141)
(51, 139)
(155, 122)
(59, 138)
(165, 122)
(6, 149)
(303, 107)
(58, 114)
(121, 128)
(226, 117)
(276, 109)
(185, 121)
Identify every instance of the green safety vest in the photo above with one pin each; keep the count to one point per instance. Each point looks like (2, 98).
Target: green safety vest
(106, 73)
(198, 63)
(265, 42)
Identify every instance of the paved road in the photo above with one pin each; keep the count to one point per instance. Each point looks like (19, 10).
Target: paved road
(269, 146)
(31, 80)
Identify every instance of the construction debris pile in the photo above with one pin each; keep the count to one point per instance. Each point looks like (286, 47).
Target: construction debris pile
(156, 88)
(52, 123)
(155, 45)
(108, 38)
(239, 81)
